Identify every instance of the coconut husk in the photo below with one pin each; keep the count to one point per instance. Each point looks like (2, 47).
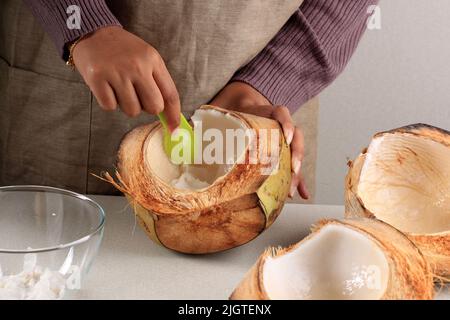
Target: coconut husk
(435, 246)
(230, 212)
(410, 275)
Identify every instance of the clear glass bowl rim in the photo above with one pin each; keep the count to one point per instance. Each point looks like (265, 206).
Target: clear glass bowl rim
(38, 188)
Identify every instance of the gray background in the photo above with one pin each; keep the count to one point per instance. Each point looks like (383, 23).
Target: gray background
(399, 75)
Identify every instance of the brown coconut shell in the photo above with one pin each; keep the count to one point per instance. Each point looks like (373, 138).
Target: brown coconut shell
(436, 247)
(232, 211)
(410, 275)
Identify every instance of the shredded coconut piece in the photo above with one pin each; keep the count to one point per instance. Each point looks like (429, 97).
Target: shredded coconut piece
(187, 181)
(33, 283)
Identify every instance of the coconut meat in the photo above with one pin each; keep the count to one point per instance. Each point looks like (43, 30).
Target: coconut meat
(337, 262)
(405, 181)
(33, 283)
(188, 181)
(198, 176)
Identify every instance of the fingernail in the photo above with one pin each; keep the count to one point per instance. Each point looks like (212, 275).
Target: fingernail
(289, 136)
(296, 166)
(292, 190)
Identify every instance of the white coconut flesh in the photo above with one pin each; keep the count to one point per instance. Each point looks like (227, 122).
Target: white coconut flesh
(216, 162)
(335, 263)
(405, 181)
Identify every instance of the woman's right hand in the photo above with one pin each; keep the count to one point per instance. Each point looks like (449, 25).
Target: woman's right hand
(122, 69)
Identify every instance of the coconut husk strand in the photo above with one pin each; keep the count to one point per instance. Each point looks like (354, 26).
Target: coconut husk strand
(403, 178)
(239, 203)
(350, 259)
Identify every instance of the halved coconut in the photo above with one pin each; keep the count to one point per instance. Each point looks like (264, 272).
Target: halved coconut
(403, 178)
(202, 208)
(350, 259)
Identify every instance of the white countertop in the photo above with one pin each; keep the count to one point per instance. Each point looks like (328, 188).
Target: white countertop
(130, 266)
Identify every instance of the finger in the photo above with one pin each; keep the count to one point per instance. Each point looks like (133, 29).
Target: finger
(172, 106)
(297, 154)
(294, 183)
(302, 189)
(297, 146)
(298, 184)
(104, 95)
(127, 98)
(297, 151)
(149, 95)
(283, 116)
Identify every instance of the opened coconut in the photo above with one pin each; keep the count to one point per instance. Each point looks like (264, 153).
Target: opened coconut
(206, 207)
(352, 259)
(403, 178)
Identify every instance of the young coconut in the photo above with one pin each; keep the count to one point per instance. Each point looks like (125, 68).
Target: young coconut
(403, 178)
(354, 259)
(203, 208)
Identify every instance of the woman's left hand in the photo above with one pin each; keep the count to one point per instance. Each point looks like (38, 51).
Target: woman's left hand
(242, 97)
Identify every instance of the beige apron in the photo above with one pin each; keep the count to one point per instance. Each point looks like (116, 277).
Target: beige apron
(52, 131)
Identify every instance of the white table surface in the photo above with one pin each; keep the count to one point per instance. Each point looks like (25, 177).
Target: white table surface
(130, 266)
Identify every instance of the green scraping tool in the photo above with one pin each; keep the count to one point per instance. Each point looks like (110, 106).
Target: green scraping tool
(183, 140)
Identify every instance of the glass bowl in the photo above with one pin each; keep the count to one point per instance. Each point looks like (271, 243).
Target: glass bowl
(49, 238)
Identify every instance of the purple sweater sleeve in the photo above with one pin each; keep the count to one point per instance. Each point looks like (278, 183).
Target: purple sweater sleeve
(53, 16)
(309, 52)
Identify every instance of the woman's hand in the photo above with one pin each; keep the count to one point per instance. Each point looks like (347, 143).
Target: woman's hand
(244, 98)
(122, 69)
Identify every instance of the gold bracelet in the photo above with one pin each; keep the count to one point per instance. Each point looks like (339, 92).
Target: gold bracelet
(72, 46)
